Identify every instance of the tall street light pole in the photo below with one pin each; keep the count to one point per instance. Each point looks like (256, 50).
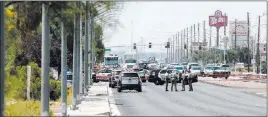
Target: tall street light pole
(2, 58)
(45, 62)
(258, 47)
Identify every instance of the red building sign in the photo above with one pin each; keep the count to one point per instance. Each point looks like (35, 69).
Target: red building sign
(218, 20)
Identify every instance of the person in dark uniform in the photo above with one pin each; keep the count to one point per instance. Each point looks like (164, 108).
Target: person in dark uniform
(187, 80)
(190, 81)
(174, 80)
(167, 79)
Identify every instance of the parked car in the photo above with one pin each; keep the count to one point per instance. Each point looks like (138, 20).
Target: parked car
(184, 64)
(114, 78)
(179, 68)
(191, 65)
(161, 79)
(208, 70)
(153, 74)
(196, 70)
(130, 81)
(142, 75)
(103, 75)
(221, 72)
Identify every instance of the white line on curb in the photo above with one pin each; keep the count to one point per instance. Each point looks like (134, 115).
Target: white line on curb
(113, 107)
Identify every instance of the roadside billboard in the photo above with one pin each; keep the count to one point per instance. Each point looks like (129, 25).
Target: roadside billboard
(241, 28)
(218, 20)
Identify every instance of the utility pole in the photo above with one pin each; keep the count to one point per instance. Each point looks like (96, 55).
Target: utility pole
(170, 54)
(198, 32)
(182, 45)
(225, 26)
(176, 48)
(169, 51)
(248, 42)
(45, 62)
(78, 53)
(225, 43)
(210, 31)
(63, 69)
(235, 35)
(204, 32)
(92, 23)
(258, 47)
(187, 43)
(86, 50)
(80, 57)
(194, 38)
(204, 38)
(184, 42)
(131, 35)
(2, 58)
(194, 33)
(171, 44)
(172, 49)
(191, 40)
(179, 55)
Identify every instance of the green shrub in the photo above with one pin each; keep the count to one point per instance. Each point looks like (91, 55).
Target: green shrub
(24, 108)
(16, 83)
(55, 89)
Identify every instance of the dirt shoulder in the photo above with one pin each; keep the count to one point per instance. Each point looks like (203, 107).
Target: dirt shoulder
(234, 82)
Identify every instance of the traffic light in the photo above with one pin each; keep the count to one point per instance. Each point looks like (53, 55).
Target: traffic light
(185, 47)
(134, 46)
(168, 45)
(150, 45)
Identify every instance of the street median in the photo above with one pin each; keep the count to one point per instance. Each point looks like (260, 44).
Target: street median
(233, 82)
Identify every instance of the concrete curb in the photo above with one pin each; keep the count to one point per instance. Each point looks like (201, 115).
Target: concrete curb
(114, 111)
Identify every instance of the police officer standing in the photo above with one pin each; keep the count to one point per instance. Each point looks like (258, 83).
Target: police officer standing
(174, 79)
(167, 79)
(187, 79)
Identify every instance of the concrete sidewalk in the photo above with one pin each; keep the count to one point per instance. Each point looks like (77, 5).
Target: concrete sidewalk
(96, 103)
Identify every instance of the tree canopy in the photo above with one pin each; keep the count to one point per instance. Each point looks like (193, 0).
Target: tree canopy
(24, 29)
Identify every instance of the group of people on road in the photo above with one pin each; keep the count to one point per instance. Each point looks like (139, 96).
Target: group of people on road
(183, 78)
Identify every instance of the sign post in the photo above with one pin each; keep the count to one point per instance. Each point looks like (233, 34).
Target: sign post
(218, 20)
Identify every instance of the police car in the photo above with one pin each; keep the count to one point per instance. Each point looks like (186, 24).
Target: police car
(129, 81)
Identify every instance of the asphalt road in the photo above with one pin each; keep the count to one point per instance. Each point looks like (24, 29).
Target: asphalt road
(205, 100)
